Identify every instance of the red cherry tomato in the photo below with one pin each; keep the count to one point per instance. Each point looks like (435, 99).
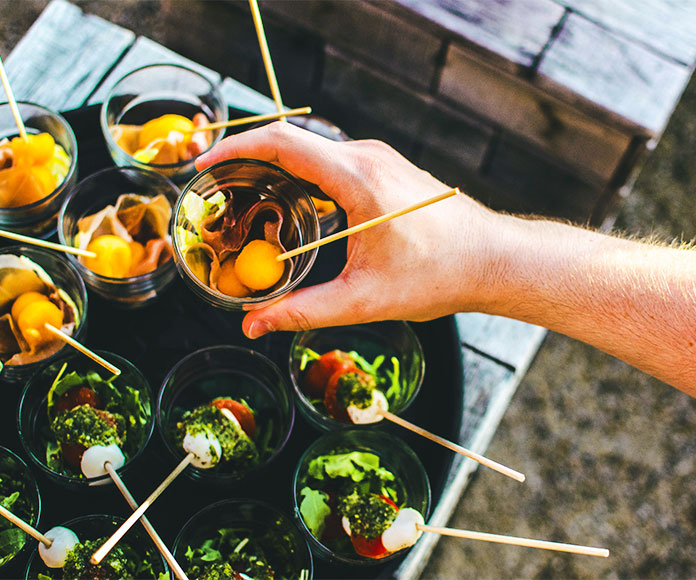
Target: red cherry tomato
(331, 402)
(241, 412)
(321, 370)
(76, 397)
(369, 548)
(72, 453)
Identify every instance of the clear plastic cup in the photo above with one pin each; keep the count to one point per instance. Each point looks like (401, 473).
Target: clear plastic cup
(38, 219)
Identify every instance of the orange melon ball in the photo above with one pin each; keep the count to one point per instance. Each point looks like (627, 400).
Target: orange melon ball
(32, 320)
(114, 256)
(24, 300)
(160, 128)
(228, 282)
(257, 267)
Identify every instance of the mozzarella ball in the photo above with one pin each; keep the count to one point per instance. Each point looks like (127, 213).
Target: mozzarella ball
(345, 522)
(63, 541)
(205, 448)
(94, 458)
(371, 414)
(403, 531)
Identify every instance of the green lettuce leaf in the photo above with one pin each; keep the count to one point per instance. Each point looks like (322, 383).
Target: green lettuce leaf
(356, 465)
(314, 509)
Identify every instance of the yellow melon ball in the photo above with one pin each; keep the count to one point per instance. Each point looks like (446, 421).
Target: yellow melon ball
(24, 300)
(114, 256)
(257, 267)
(32, 320)
(160, 128)
(228, 282)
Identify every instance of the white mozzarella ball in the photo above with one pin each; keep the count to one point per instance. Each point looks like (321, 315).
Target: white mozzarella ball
(371, 414)
(94, 458)
(205, 448)
(63, 541)
(403, 531)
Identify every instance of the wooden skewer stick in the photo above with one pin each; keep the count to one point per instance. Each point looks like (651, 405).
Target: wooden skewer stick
(365, 225)
(253, 119)
(267, 62)
(514, 541)
(45, 244)
(83, 349)
(107, 546)
(161, 546)
(454, 447)
(25, 527)
(12, 101)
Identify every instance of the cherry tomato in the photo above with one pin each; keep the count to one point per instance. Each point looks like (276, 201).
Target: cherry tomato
(241, 412)
(72, 453)
(369, 548)
(321, 370)
(76, 397)
(331, 401)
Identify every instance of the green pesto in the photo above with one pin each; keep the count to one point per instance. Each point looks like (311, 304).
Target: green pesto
(87, 426)
(251, 565)
(369, 515)
(114, 565)
(355, 389)
(218, 572)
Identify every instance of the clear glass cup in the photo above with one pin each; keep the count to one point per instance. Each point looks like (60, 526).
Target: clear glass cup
(257, 180)
(271, 534)
(155, 90)
(93, 194)
(227, 371)
(388, 338)
(66, 278)
(411, 482)
(15, 476)
(38, 219)
(33, 421)
(100, 527)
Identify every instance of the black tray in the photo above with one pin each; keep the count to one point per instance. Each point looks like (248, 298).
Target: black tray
(156, 337)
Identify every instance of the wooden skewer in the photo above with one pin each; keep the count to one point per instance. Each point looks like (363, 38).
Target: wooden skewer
(12, 101)
(514, 541)
(82, 348)
(368, 224)
(253, 119)
(107, 546)
(161, 546)
(454, 447)
(267, 62)
(45, 244)
(25, 527)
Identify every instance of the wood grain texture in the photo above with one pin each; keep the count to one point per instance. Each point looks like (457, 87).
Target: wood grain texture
(64, 55)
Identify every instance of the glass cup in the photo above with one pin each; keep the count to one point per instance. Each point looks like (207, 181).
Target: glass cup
(136, 546)
(155, 90)
(410, 481)
(389, 339)
(38, 219)
(15, 476)
(93, 194)
(238, 373)
(272, 535)
(255, 180)
(66, 278)
(33, 420)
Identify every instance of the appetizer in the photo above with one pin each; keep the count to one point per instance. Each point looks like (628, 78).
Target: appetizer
(350, 502)
(164, 140)
(28, 300)
(230, 242)
(14, 497)
(129, 238)
(30, 169)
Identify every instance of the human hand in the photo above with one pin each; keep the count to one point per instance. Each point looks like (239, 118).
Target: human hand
(420, 266)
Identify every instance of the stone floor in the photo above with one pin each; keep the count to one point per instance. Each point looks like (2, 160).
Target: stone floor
(607, 449)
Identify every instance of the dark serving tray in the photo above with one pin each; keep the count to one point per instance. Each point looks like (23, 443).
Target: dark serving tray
(156, 337)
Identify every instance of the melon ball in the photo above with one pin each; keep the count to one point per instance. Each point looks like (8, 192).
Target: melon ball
(114, 256)
(24, 300)
(33, 318)
(257, 267)
(228, 281)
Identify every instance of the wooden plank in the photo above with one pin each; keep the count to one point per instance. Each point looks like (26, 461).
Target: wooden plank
(64, 55)
(142, 53)
(668, 26)
(619, 75)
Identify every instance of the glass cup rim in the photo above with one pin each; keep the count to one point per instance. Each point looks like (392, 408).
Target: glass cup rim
(69, 479)
(81, 268)
(160, 166)
(71, 170)
(183, 265)
(239, 350)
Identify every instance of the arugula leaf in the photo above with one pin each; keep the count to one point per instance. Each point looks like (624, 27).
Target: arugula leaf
(8, 501)
(314, 509)
(356, 465)
(12, 540)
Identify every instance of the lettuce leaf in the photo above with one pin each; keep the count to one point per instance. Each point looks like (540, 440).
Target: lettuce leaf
(357, 465)
(314, 509)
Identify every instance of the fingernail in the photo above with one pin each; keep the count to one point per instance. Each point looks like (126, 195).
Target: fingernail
(259, 328)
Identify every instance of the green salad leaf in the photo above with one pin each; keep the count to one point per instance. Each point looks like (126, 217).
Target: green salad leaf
(314, 509)
(13, 496)
(357, 465)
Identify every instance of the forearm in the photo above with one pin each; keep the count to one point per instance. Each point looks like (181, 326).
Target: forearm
(633, 300)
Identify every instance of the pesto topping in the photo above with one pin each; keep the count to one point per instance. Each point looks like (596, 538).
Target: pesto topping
(114, 565)
(84, 425)
(355, 389)
(369, 515)
(218, 572)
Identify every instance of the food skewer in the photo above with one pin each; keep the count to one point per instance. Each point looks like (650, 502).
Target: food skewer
(252, 119)
(267, 62)
(45, 244)
(12, 101)
(161, 546)
(365, 225)
(454, 447)
(25, 527)
(82, 348)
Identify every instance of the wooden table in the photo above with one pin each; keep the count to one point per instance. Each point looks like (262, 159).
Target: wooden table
(69, 59)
